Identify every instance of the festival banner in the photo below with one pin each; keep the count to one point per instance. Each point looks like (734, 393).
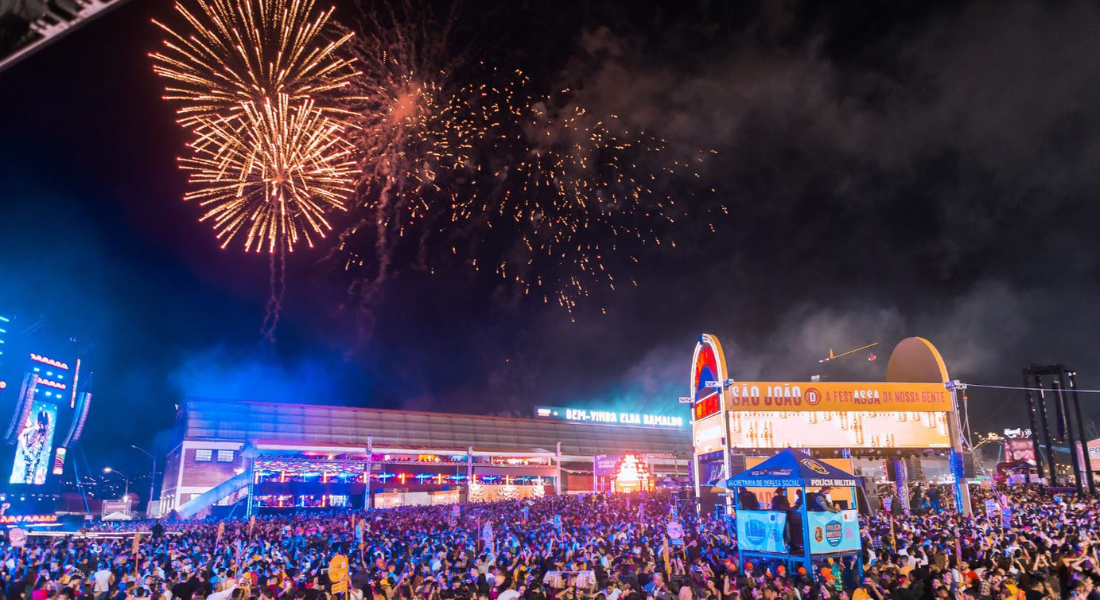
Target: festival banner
(832, 396)
(843, 429)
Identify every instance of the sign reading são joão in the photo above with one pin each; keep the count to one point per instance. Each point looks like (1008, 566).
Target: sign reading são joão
(788, 396)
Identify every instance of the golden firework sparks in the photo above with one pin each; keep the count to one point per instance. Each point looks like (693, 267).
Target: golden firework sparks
(270, 172)
(233, 52)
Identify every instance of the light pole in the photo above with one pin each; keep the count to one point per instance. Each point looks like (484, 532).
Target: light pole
(126, 494)
(152, 476)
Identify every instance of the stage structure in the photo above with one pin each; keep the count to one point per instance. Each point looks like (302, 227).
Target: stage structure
(914, 410)
(796, 535)
(1069, 428)
(45, 387)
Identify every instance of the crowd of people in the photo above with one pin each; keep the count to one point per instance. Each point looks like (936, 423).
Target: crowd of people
(564, 548)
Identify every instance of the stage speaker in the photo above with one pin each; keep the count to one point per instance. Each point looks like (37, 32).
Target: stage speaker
(913, 468)
(738, 464)
(867, 496)
(970, 465)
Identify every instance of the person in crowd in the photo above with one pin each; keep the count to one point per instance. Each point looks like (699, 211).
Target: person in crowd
(747, 499)
(779, 500)
(823, 502)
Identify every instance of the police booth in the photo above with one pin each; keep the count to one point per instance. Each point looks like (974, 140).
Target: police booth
(805, 528)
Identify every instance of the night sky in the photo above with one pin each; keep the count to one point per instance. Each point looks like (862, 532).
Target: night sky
(890, 169)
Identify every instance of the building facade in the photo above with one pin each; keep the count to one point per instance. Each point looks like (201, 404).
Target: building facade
(280, 455)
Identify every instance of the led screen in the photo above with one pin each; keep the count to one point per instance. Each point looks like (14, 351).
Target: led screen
(35, 441)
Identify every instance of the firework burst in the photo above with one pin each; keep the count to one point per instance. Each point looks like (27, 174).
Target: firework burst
(270, 173)
(412, 145)
(236, 51)
(484, 165)
(584, 194)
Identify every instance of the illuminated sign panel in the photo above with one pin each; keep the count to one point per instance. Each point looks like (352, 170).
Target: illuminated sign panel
(49, 361)
(14, 519)
(818, 396)
(708, 436)
(577, 415)
(707, 407)
(834, 532)
(59, 461)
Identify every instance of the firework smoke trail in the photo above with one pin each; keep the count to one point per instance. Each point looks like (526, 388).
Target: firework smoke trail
(277, 288)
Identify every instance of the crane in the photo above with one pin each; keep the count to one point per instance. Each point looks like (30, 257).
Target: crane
(833, 356)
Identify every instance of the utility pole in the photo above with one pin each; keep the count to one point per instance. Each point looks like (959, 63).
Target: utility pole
(152, 477)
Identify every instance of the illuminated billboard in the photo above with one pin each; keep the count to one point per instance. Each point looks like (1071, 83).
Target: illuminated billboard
(838, 429)
(33, 445)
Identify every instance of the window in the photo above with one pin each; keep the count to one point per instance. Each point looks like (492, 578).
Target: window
(204, 455)
(225, 456)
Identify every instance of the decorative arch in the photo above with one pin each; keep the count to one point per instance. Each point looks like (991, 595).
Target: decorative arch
(708, 364)
(916, 360)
